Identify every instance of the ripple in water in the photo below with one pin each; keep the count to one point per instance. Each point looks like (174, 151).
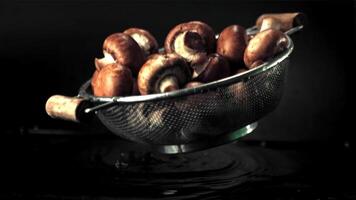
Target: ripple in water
(198, 174)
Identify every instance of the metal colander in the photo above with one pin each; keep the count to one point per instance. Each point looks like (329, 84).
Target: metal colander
(196, 116)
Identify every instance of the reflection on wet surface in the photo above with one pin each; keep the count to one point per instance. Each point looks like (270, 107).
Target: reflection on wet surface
(200, 173)
(95, 168)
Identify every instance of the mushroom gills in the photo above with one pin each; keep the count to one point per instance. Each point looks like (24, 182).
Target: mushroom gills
(168, 83)
(142, 41)
(189, 45)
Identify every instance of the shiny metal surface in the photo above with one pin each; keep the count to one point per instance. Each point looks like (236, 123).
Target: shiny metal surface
(192, 119)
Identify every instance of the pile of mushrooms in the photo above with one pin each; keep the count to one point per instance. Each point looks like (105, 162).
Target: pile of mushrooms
(192, 56)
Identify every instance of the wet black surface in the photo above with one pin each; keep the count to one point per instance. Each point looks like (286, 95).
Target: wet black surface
(103, 167)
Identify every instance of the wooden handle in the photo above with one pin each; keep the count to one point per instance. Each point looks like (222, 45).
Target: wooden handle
(270, 22)
(66, 108)
(287, 20)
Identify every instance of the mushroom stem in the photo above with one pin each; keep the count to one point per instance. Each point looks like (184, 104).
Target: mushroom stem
(200, 67)
(107, 59)
(168, 83)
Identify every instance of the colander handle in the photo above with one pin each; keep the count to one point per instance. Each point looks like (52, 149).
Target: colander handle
(290, 22)
(287, 20)
(67, 108)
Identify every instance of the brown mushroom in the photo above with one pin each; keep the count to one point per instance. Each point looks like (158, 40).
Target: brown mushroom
(238, 96)
(190, 46)
(193, 84)
(287, 20)
(263, 46)
(232, 42)
(144, 39)
(249, 37)
(193, 36)
(242, 70)
(112, 80)
(213, 68)
(163, 73)
(135, 90)
(122, 49)
(101, 62)
(239, 87)
(94, 78)
(155, 116)
(192, 103)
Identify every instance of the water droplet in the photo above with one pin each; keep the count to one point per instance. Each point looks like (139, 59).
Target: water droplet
(170, 192)
(346, 144)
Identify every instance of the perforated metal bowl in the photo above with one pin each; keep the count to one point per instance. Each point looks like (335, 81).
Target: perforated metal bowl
(196, 118)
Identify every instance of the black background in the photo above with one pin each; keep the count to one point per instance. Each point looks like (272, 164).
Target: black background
(48, 47)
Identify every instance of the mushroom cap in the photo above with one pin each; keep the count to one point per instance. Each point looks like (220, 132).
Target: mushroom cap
(263, 46)
(160, 66)
(124, 50)
(94, 79)
(144, 39)
(215, 67)
(241, 70)
(238, 90)
(232, 42)
(135, 90)
(112, 80)
(204, 30)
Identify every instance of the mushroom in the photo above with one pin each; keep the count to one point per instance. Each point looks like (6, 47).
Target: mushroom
(232, 42)
(163, 73)
(193, 84)
(112, 80)
(94, 78)
(190, 46)
(242, 70)
(157, 118)
(144, 39)
(239, 87)
(122, 49)
(192, 103)
(286, 20)
(213, 68)
(236, 101)
(191, 40)
(263, 46)
(237, 92)
(135, 90)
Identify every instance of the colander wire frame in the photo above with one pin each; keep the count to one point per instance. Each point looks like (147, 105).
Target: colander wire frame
(188, 116)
